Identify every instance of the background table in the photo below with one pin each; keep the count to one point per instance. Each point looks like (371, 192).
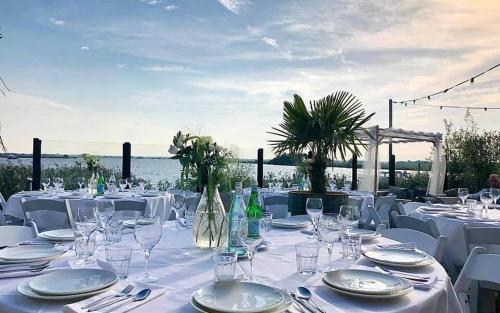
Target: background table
(183, 268)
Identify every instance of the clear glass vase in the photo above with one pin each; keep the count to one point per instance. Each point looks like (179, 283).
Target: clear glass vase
(210, 224)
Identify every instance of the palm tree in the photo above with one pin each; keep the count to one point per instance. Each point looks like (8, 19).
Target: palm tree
(328, 129)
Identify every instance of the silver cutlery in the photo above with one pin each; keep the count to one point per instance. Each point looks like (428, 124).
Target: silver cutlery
(122, 293)
(302, 303)
(395, 248)
(420, 279)
(304, 293)
(138, 295)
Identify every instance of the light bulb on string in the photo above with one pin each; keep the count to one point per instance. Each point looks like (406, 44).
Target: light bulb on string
(429, 98)
(472, 81)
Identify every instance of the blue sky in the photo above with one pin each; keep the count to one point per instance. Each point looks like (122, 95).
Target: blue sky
(132, 70)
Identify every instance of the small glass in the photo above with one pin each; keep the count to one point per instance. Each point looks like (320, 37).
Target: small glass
(113, 231)
(314, 208)
(267, 219)
(119, 258)
(470, 205)
(225, 264)
(351, 246)
(307, 258)
(79, 245)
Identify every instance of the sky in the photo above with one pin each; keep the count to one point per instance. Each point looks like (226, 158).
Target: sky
(87, 75)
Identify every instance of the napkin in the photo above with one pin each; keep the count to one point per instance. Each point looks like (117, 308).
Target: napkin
(431, 280)
(156, 291)
(406, 245)
(54, 266)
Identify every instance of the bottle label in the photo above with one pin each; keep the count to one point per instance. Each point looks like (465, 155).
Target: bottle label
(253, 228)
(100, 189)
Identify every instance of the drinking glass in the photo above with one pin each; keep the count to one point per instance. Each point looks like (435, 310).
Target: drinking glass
(225, 264)
(178, 202)
(86, 223)
(81, 182)
(349, 216)
(147, 233)
(142, 186)
(314, 208)
(113, 231)
(119, 257)
(112, 183)
(58, 183)
(130, 182)
(463, 194)
(351, 245)
(250, 240)
(333, 184)
(267, 220)
(123, 184)
(307, 258)
(486, 198)
(495, 193)
(329, 229)
(104, 210)
(471, 205)
(347, 185)
(46, 183)
(79, 245)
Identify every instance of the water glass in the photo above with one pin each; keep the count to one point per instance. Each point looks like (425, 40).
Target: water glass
(267, 219)
(470, 205)
(189, 218)
(147, 233)
(314, 208)
(307, 258)
(349, 216)
(351, 246)
(113, 231)
(79, 246)
(225, 264)
(463, 194)
(119, 258)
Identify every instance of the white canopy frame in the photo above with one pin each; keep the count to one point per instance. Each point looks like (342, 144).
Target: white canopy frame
(376, 136)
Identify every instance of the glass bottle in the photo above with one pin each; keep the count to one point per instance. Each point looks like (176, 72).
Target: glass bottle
(254, 212)
(237, 212)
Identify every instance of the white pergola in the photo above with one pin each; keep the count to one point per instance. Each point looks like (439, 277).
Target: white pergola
(376, 136)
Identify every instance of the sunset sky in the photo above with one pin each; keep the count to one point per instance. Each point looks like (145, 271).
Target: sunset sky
(139, 70)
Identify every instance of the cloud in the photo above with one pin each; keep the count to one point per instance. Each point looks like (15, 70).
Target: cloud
(285, 53)
(57, 22)
(84, 48)
(152, 2)
(235, 6)
(270, 41)
(122, 65)
(170, 68)
(36, 102)
(170, 7)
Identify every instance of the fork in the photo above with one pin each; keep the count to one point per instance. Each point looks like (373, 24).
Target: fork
(122, 293)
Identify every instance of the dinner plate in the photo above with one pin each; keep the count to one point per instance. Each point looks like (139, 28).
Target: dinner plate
(435, 209)
(29, 253)
(72, 281)
(129, 223)
(150, 194)
(32, 193)
(365, 234)
(398, 257)
(70, 196)
(66, 234)
(239, 297)
(363, 281)
(114, 196)
(24, 288)
(297, 221)
(407, 288)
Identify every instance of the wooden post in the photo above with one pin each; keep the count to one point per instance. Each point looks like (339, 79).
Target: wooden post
(392, 170)
(126, 157)
(354, 180)
(260, 167)
(37, 163)
(375, 178)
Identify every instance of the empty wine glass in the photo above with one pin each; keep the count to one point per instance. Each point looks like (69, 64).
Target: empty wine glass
(123, 184)
(333, 184)
(142, 185)
(46, 183)
(250, 240)
(347, 185)
(463, 194)
(495, 193)
(147, 234)
(178, 202)
(86, 223)
(104, 210)
(349, 216)
(486, 198)
(112, 183)
(329, 229)
(314, 208)
(81, 182)
(130, 182)
(58, 183)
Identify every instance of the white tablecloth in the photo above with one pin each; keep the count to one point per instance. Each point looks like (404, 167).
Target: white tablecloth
(453, 228)
(182, 269)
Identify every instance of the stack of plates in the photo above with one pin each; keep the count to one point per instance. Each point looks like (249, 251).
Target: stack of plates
(71, 195)
(399, 257)
(366, 284)
(151, 194)
(240, 297)
(29, 254)
(297, 221)
(66, 234)
(365, 234)
(68, 284)
(34, 193)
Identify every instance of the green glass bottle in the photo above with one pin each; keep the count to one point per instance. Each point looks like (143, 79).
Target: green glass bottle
(100, 184)
(254, 212)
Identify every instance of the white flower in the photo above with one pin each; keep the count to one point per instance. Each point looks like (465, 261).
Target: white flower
(173, 149)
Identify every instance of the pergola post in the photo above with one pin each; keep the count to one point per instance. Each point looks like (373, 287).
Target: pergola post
(375, 178)
(126, 158)
(392, 170)
(354, 180)
(37, 164)
(260, 167)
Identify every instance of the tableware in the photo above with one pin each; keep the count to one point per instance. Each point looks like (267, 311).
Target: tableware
(33, 193)
(150, 194)
(307, 258)
(122, 183)
(349, 216)
(66, 234)
(302, 304)
(72, 281)
(86, 222)
(363, 281)
(58, 184)
(225, 264)
(46, 183)
(403, 275)
(314, 208)
(113, 196)
(130, 223)
(297, 221)
(232, 297)
(329, 232)
(463, 194)
(251, 235)
(118, 257)
(80, 248)
(495, 194)
(147, 233)
(24, 268)
(486, 198)
(140, 296)
(399, 257)
(24, 289)
(113, 231)
(24, 254)
(122, 293)
(267, 219)
(351, 245)
(69, 196)
(365, 234)
(304, 293)
(25, 265)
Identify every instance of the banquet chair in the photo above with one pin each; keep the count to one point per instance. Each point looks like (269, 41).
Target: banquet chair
(277, 205)
(10, 234)
(432, 246)
(372, 211)
(192, 202)
(479, 267)
(47, 214)
(401, 221)
(130, 208)
(410, 207)
(3, 203)
(384, 206)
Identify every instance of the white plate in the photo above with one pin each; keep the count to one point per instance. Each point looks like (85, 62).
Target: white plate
(66, 234)
(33, 193)
(29, 253)
(405, 290)
(399, 257)
(363, 281)
(114, 196)
(435, 209)
(24, 288)
(297, 221)
(72, 281)
(239, 297)
(129, 223)
(365, 234)
(70, 197)
(150, 194)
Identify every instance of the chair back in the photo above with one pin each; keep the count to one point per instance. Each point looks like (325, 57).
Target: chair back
(384, 206)
(275, 199)
(10, 235)
(192, 202)
(479, 267)
(481, 236)
(410, 207)
(3, 203)
(428, 226)
(432, 246)
(47, 214)
(278, 210)
(372, 211)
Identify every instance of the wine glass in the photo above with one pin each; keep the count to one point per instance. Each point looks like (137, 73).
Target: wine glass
(347, 185)
(142, 185)
(81, 182)
(486, 198)
(58, 183)
(112, 183)
(130, 182)
(178, 202)
(329, 232)
(46, 183)
(463, 194)
(251, 235)
(147, 234)
(104, 210)
(349, 216)
(314, 208)
(495, 193)
(123, 183)
(86, 224)
(333, 184)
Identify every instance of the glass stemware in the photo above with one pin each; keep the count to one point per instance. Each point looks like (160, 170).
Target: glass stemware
(487, 199)
(58, 183)
(329, 229)
(147, 234)
(314, 208)
(46, 183)
(347, 185)
(349, 216)
(463, 194)
(178, 205)
(104, 210)
(333, 184)
(81, 182)
(123, 183)
(130, 182)
(495, 194)
(111, 183)
(86, 223)
(249, 241)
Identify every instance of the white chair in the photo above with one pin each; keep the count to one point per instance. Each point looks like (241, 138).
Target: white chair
(384, 206)
(428, 226)
(10, 234)
(47, 214)
(276, 204)
(3, 203)
(410, 207)
(372, 211)
(130, 208)
(432, 246)
(479, 267)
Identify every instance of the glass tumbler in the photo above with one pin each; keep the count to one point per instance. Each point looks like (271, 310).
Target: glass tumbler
(118, 257)
(351, 246)
(225, 264)
(307, 258)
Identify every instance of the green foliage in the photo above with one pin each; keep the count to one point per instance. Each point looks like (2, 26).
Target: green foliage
(472, 155)
(13, 177)
(93, 163)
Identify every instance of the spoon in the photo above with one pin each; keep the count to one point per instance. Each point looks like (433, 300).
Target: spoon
(141, 295)
(304, 293)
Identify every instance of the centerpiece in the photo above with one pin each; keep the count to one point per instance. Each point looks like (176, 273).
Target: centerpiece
(329, 128)
(203, 165)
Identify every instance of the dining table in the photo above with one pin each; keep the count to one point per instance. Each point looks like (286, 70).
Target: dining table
(182, 268)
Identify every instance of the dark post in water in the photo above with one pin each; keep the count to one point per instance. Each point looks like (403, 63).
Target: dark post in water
(260, 167)
(354, 180)
(37, 164)
(126, 156)
(392, 170)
